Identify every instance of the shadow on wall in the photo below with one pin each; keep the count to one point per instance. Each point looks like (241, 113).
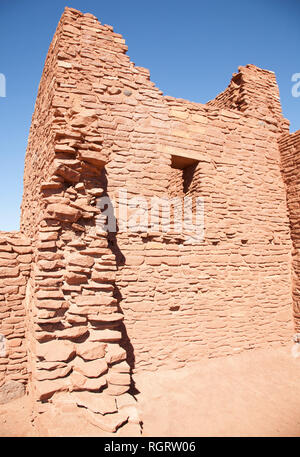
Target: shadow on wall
(188, 175)
(120, 261)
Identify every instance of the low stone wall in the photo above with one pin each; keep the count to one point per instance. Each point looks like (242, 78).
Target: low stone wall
(15, 265)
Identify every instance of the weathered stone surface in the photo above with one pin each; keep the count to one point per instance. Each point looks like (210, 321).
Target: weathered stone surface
(125, 400)
(120, 367)
(289, 146)
(108, 423)
(115, 354)
(80, 382)
(10, 391)
(42, 365)
(72, 332)
(67, 173)
(97, 403)
(64, 212)
(103, 276)
(90, 350)
(53, 374)
(7, 272)
(75, 278)
(107, 317)
(94, 300)
(105, 335)
(53, 351)
(94, 157)
(90, 369)
(116, 389)
(93, 310)
(120, 379)
(51, 304)
(81, 260)
(45, 389)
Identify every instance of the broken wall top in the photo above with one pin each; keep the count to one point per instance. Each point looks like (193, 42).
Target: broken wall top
(87, 80)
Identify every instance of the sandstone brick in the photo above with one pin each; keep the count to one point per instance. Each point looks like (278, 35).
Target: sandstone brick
(116, 390)
(90, 369)
(10, 391)
(67, 173)
(95, 300)
(75, 278)
(90, 350)
(100, 404)
(105, 335)
(80, 382)
(53, 374)
(81, 260)
(64, 212)
(115, 354)
(120, 379)
(45, 389)
(51, 304)
(9, 272)
(54, 351)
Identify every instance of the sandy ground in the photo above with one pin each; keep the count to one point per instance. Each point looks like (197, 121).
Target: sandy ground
(256, 393)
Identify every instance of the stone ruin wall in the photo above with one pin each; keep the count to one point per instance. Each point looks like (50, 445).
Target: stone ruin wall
(95, 300)
(15, 265)
(74, 319)
(290, 161)
(232, 292)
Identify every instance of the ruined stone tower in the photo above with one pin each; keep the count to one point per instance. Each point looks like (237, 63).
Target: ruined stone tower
(83, 308)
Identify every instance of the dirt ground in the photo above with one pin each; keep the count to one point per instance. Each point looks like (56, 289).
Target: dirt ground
(256, 393)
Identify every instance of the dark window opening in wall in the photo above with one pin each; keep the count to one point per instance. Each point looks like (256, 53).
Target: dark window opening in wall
(182, 185)
(182, 172)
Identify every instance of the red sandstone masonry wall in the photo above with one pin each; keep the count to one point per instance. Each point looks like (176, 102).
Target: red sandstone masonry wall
(180, 302)
(36, 171)
(290, 162)
(76, 330)
(232, 292)
(15, 264)
(252, 91)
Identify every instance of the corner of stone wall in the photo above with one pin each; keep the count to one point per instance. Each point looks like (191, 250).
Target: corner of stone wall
(75, 348)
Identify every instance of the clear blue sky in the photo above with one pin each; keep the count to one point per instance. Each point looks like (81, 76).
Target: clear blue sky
(191, 48)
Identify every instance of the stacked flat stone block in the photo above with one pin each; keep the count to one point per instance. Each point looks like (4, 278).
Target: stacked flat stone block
(74, 319)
